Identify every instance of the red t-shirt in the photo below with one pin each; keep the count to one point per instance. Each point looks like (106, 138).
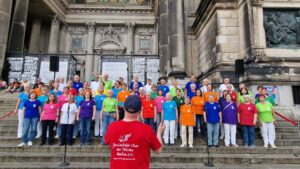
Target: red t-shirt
(130, 144)
(247, 112)
(73, 92)
(233, 96)
(148, 108)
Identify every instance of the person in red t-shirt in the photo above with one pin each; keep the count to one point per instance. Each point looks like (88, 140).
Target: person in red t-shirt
(72, 91)
(148, 112)
(130, 141)
(232, 93)
(247, 117)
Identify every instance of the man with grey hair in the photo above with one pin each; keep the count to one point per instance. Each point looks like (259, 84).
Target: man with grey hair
(135, 79)
(76, 83)
(203, 88)
(224, 86)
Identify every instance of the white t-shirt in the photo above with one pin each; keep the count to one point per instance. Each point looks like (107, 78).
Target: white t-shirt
(224, 87)
(72, 112)
(148, 88)
(94, 86)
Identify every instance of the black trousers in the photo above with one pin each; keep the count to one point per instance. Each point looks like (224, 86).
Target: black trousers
(66, 134)
(121, 113)
(45, 125)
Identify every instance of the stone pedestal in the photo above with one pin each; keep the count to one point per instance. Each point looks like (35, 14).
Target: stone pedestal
(54, 35)
(89, 59)
(34, 44)
(130, 38)
(68, 41)
(177, 41)
(18, 27)
(62, 37)
(5, 10)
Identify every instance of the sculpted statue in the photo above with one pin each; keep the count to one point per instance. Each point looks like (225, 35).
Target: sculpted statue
(298, 26)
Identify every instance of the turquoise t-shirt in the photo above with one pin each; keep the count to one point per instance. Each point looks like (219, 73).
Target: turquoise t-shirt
(78, 100)
(169, 109)
(116, 91)
(23, 98)
(99, 100)
(43, 99)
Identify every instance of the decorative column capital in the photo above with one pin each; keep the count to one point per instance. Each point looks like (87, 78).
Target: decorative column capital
(91, 26)
(259, 53)
(56, 20)
(257, 2)
(130, 26)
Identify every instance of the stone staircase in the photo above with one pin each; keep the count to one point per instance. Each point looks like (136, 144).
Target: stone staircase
(286, 156)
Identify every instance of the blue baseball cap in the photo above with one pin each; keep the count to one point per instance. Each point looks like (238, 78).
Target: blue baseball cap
(133, 104)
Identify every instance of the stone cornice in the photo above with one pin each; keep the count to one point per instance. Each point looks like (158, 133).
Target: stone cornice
(257, 2)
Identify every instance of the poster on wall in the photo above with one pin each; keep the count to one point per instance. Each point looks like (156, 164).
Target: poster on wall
(46, 75)
(272, 92)
(153, 69)
(115, 70)
(30, 69)
(16, 68)
(138, 68)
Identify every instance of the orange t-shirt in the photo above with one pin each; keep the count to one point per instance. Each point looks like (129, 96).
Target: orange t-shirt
(210, 93)
(186, 115)
(197, 105)
(37, 91)
(148, 108)
(122, 95)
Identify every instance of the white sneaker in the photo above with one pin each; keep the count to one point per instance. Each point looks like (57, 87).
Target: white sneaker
(22, 144)
(56, 136)
(273, 146)
(191, 146)
(266, 146)
(30, 144)
(235, 145)
(226, 145)
(182, 145)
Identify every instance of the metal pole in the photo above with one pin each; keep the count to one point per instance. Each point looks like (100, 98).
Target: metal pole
(64, 163)
(208, 164)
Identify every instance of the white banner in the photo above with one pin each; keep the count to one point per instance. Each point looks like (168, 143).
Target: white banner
(46, 75)
(115, 70)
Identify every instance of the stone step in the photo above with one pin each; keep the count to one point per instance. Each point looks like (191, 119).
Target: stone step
(12, 140)
(163, 157)
(153, 165)
(173, 149)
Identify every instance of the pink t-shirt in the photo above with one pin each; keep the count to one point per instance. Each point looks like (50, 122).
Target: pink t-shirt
(62, 99)
(49, 111)
(159, 102)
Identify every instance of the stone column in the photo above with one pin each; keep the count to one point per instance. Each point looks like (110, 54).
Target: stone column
(177, 46)
(62, 37)
(5, 10)
(54, 35)
(18, 27)
(68, 40)
(130, 37)
(163, 34)
(89, 59)
(34, 44)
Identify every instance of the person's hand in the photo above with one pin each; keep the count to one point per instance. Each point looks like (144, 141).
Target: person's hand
(56, 120)
(254, 122)
(93, 118)
(275, 123)
(154, 120)
(161, 128)
(176, 120)
(220, 121)
(16, 110)
(77, 118)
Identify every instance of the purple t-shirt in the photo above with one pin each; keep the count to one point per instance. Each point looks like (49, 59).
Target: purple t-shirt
(86, 108)
(229, 112)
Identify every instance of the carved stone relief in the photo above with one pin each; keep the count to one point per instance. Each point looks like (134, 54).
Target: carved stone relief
(282, 28)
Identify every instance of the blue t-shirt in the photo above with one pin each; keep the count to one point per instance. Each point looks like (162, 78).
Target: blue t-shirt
(43, 99)
(77, 85)
(190, 94)
(140, 84)
(78, 100)
(116, 91)
(164, 88)
(169, 109)
(188, 86)
(57, 93)
(99, 100)
(23, 98)
(32, 109)
(212, 112)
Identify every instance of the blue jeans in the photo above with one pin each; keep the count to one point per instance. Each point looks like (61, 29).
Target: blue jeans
(29, 123)
(76, 128)
(150, 122)
(213, 133)
(107, 119)
(248, 135)
(85, 130)
(199, 124)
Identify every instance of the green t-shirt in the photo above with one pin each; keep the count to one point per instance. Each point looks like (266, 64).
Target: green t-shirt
(110, 105)
(241, 97)
(179, 102)
(268, 99)
(265, 112)
(173, 91)
(108, 85)
(153, 95)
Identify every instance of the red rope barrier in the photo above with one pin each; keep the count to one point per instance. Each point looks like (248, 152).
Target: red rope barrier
(287, 119)
(8, 114)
